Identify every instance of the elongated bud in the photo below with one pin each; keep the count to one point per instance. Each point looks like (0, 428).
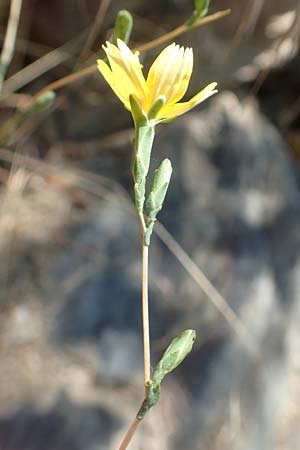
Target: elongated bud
(155, 200)
(123, 26)
(156, 107)
(201, 9)
(177, 351)
(138, 114)
(159, 187)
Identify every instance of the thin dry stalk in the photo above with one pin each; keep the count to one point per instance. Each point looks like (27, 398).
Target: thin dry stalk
(207, 287)
(10, 39)
(34, 49)
(128, 436)
(94, 31)
(145, 309)
(43, 65)
(145, 305)
(182, 29)
(247, 23)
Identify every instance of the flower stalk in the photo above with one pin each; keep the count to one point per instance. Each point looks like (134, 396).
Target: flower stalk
(151, 101)
(145, 315)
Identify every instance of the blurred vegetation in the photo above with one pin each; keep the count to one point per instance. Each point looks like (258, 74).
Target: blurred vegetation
(63, 152)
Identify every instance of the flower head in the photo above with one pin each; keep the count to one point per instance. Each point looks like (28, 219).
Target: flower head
(168, 79)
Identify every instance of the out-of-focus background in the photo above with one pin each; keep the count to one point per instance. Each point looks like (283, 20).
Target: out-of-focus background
(70, 335)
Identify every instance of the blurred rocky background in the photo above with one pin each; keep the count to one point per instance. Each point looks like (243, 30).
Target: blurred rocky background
(70, 333)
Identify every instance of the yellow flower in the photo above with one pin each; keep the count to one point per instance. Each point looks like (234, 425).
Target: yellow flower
(168, 78)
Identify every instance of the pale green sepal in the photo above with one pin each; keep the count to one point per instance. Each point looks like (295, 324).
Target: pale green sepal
(177, 351)
(143, 142)
(156, 197)
(123, 26)
(138, 114)
(154, 110)
(166, 120)
(201, 9)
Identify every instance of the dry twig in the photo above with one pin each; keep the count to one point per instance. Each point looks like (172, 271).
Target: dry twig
(103, 7)
(10, 39)
(42, 65)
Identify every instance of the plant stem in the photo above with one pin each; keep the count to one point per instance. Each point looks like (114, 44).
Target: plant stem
(146, 334)
(145, 312)
(128, 436)
(10, 38)
(145, 306)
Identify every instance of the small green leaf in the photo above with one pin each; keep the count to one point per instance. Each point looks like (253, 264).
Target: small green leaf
(156, 197)
(142, 151)
(123, 26)
(12, 124)
(179, 348)
(177, 351)
(201, 9)
(144, 136)
(159, 187)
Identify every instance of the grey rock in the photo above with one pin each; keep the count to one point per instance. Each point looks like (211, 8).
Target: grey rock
(233, 204)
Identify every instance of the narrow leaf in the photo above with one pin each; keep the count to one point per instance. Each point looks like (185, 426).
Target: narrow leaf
(123, 26)
(177, 351)
(144, 135)
(202, 7)
(156, 197)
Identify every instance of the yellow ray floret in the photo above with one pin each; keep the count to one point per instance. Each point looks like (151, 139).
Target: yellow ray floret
(168, 77)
